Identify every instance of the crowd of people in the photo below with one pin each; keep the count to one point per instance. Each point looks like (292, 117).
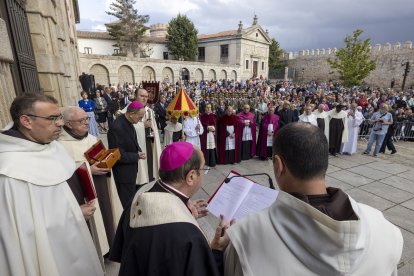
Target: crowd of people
(143, 215)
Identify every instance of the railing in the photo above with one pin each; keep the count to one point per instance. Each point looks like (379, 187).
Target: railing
(402, 130)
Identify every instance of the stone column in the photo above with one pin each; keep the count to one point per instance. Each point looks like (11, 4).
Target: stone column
(54, 44)
(7, 91)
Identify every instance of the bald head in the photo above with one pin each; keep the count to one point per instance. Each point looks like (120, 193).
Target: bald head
(71, 113)
(142, 96)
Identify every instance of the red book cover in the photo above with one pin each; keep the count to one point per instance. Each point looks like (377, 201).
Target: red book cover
(86, 181)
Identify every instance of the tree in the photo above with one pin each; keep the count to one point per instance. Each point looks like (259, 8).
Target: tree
(129, 29)
(275, 55)
(353, 62)
(182, 38)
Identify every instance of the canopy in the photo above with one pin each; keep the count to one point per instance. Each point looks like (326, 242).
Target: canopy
(182, 105)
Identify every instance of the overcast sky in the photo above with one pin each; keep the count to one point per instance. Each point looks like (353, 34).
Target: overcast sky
(296, 24)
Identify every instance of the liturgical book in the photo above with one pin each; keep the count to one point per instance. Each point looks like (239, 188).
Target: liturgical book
(86, 182)
(240, 197)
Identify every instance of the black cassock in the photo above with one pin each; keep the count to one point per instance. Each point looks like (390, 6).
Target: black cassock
(336, 128)
(175, 249)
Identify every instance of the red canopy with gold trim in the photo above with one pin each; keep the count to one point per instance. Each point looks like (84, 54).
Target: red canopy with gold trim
(182, 105)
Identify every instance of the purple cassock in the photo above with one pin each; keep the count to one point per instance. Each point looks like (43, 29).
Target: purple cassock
(262, 147)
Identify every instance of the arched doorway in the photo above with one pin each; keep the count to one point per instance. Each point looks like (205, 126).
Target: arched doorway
(212, 75)
(148, 74)
(168, 74)
(199, 75)
(125, 74)
(100, 73)
(185, 74)
(223, 75)
(233, 75)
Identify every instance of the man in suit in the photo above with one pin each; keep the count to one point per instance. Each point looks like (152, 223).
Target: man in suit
(286, 115)
(122, 135)
(160, 113)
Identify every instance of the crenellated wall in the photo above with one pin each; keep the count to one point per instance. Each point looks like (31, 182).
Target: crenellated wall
(312, 64)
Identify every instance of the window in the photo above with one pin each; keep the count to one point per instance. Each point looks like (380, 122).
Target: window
(87, 50)
(262, 65)
(201, 53)
(165, 55)
(117, 51)
(224, 52)
(247, 64)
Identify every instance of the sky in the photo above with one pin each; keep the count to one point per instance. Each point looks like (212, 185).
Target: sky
(295, 24)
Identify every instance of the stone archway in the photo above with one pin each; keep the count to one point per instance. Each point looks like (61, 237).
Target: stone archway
(148, 74)
(168, 74)
(212, 75)
(223, 75)
(100, 73)
(233, 75)
(199, 75)
(185, 74)
(125, 74)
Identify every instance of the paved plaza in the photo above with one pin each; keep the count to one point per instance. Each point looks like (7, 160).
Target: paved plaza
(384, 182)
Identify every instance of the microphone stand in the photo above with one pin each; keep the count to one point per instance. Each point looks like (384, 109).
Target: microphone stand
(271, 186)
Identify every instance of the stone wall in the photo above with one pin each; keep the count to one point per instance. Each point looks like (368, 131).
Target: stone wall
(53, 33)
(110, 69)
(7, 92)
(312, 64)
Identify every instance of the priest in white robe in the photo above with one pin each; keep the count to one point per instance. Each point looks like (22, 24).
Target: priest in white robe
(77, 141)
(173, 132)
(355, 119)
(322, 119)
(42, 229)
(192, 130)
(308, 117)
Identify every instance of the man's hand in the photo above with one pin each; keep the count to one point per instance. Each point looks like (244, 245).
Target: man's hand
(148, 123)
(88, 209)
(221, 239)
(198, 208)
(231, 135)
(269, 133)
(95, 170)
(142, 155)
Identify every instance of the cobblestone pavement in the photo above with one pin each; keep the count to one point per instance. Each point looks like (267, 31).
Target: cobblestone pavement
(384, 182)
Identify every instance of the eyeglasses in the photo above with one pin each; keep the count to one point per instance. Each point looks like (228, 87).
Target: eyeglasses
(53, 119)
(81, 121)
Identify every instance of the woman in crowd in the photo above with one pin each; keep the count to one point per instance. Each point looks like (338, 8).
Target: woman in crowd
(101, 110)
(89, 107)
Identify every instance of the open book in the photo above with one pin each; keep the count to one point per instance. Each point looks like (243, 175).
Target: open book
(240, 197)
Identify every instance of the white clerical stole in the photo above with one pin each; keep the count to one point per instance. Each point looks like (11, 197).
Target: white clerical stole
(211, 144)
(247, 132)
(230, 142)
(269, 141)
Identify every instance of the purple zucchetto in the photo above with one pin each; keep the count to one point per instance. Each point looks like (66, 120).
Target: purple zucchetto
(175, 155)
(135, 105)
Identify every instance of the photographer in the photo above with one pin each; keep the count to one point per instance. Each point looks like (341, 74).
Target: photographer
(381, 120)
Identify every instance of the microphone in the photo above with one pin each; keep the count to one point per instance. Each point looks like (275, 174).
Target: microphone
(271, 186)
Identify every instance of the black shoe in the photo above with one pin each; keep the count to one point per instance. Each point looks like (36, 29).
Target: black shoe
(382, 152)
(365, 152)
(393, 151)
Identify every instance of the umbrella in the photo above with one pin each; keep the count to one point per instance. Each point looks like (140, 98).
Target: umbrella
(182, 105)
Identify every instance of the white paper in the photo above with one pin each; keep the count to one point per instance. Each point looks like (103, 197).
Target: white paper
(229, 197)
(240, 197)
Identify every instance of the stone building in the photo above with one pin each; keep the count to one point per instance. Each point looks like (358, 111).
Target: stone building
(390, 59)
(38, 51)
(236, 54)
